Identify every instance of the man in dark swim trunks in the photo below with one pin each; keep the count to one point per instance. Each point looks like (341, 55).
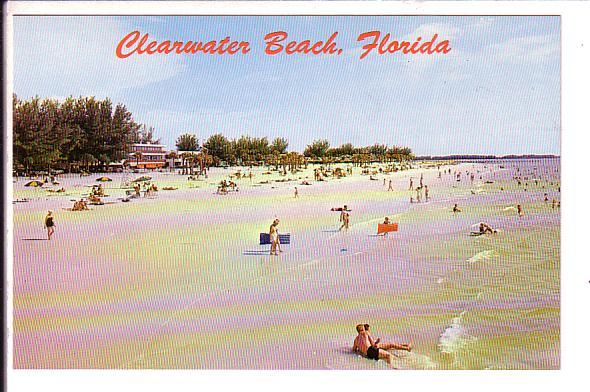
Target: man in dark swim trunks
(365, 344)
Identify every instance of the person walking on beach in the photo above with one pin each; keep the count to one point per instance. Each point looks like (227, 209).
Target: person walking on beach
(296, 193)
(390, 188)
(345, 219)
(421, 180)
(411, 184)
(49, 224)
(426, 196)
(519, 210)
(274, 237)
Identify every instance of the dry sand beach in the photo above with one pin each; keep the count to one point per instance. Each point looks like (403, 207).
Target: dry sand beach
(180, 281)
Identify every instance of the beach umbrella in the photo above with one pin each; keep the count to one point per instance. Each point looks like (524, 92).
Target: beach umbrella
(34, 183)
(103, 179)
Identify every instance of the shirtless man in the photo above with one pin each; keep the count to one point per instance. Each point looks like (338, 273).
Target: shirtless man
(484, 228)
(345, 219)
(365, 345)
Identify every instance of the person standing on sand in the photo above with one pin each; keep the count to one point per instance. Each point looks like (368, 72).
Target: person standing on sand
(426, 195)
(411, 184)
(274, 237)
(519, 210)
(49, 224)
(296, 193)
(390, 188)
(421, 180)
(345, 219)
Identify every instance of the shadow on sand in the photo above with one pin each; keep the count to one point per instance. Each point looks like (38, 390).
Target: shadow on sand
(35, 239)
(255, 252)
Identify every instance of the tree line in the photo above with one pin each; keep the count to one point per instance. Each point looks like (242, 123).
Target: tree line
(77, 134)
(88, 134)
(247, 150)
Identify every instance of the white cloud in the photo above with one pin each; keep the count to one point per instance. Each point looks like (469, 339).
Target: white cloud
(62, 56)
(528, 49)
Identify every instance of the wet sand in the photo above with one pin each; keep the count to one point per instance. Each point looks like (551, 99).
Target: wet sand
(179, 280)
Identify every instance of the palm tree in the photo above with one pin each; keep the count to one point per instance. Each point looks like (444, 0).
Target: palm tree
(138, 155)
(172, 155)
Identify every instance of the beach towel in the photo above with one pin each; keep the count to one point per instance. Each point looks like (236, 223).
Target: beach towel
(283, 238)
(383, 228)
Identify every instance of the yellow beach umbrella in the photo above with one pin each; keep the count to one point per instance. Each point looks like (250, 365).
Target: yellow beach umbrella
(34, 183)
(103, 179)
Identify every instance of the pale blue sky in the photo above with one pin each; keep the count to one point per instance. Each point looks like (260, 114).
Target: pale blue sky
(496, 92)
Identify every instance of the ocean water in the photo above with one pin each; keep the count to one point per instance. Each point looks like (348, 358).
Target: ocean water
(173, 281)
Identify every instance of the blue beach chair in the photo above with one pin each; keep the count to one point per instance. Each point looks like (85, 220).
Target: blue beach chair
(284, 239)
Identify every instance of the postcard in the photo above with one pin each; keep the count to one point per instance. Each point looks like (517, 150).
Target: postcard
(212, 189)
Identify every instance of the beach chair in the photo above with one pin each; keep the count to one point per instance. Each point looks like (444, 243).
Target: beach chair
(384, 229)
(284, 239)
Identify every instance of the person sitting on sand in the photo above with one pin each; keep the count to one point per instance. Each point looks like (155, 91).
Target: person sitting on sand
(484, 228)
(519, 210)
(456, 208)
(95, 200)
(49, 224)
(365, 345)
(386, 221)
(80, 206)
